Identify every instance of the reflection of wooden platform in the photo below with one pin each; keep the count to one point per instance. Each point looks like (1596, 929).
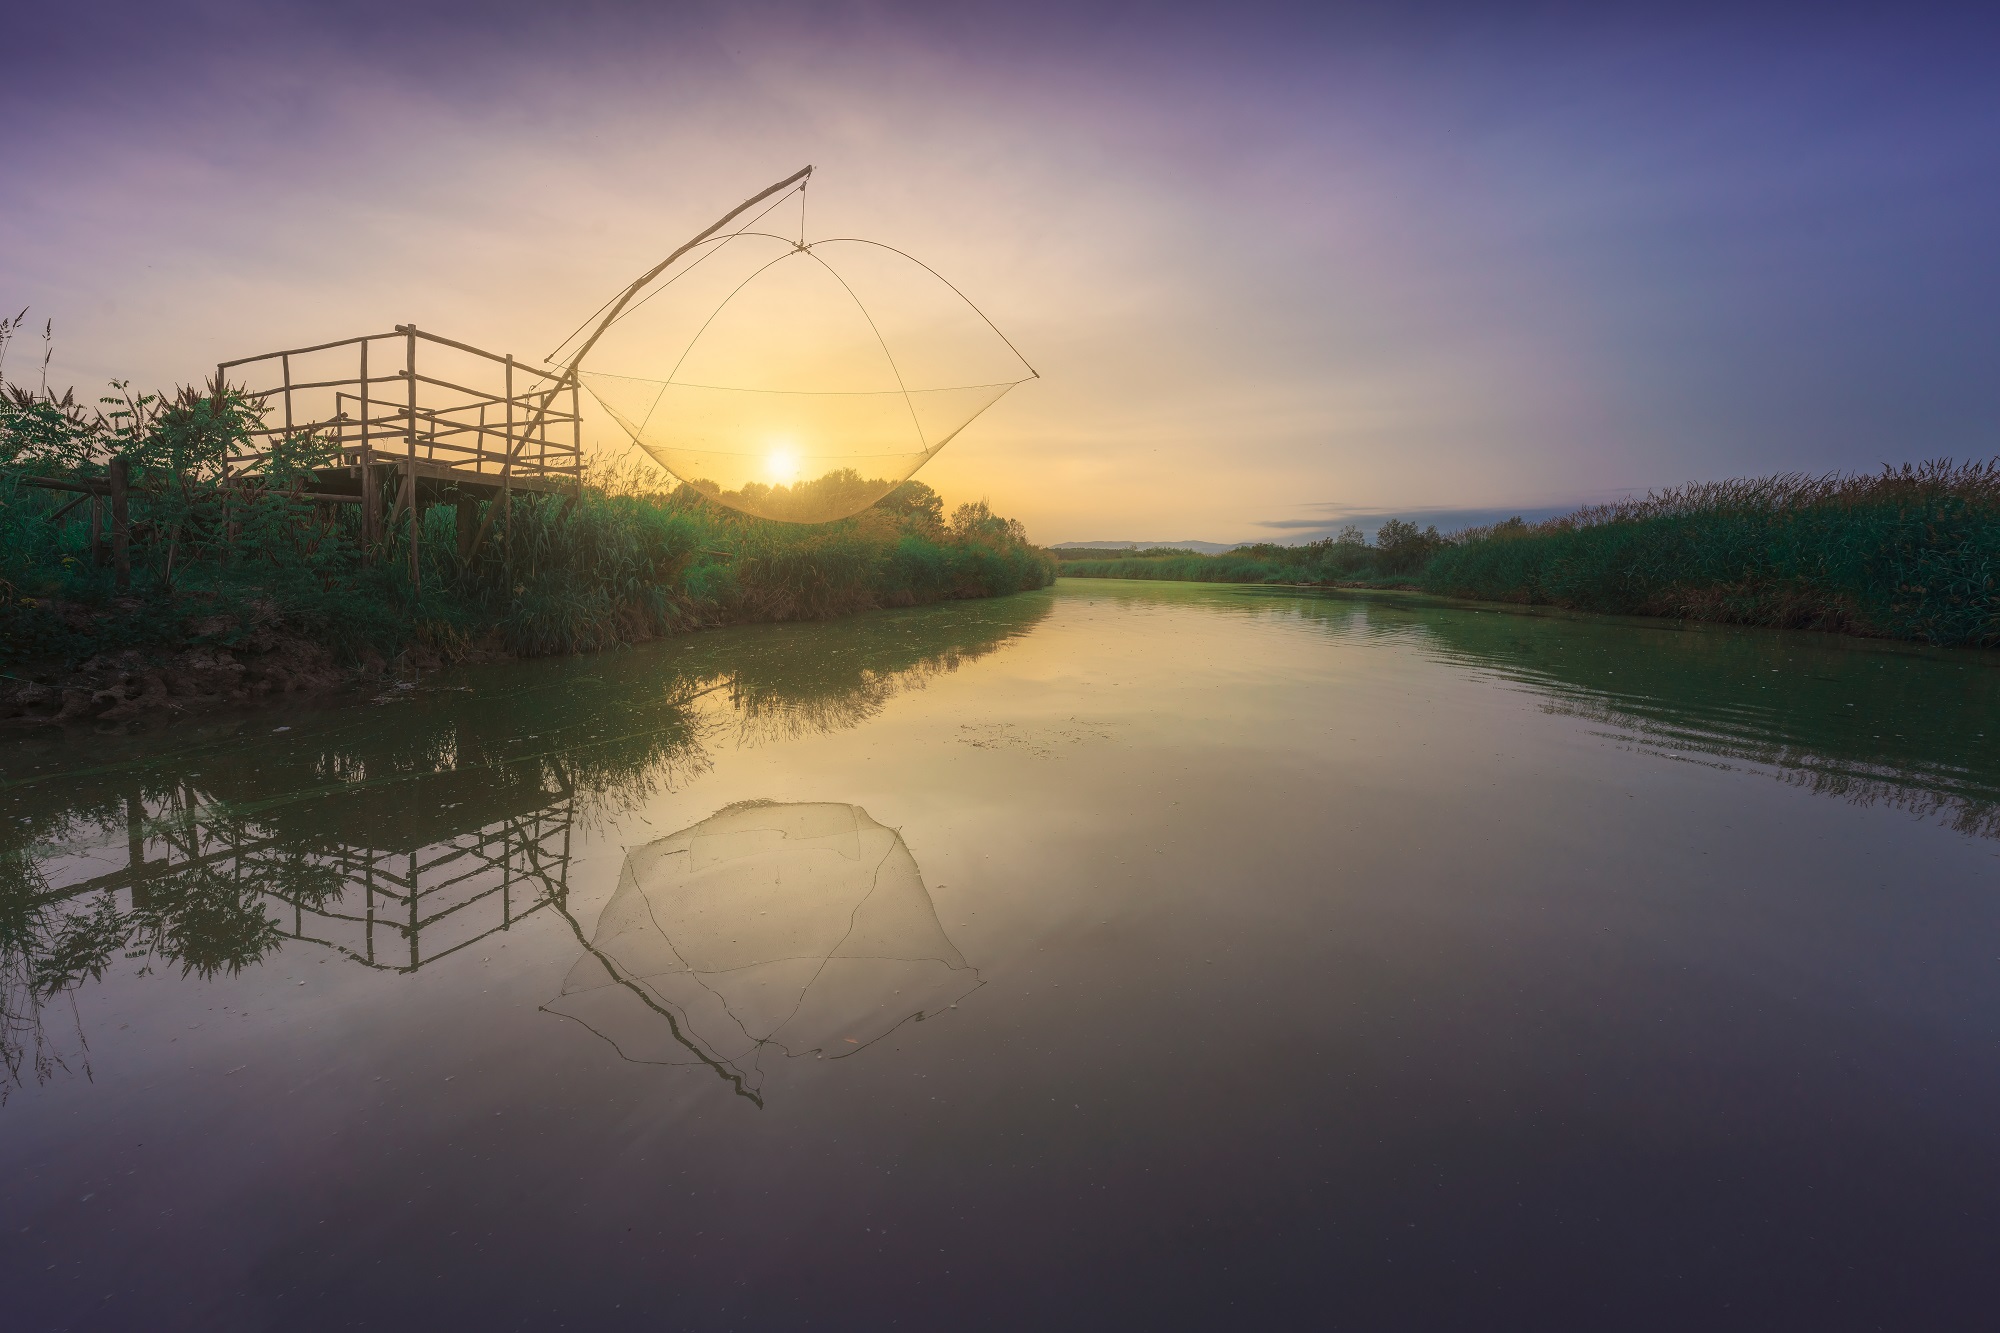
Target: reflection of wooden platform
(415, 885)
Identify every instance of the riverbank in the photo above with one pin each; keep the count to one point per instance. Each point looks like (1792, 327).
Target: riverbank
(1911, 554)
(561, 575)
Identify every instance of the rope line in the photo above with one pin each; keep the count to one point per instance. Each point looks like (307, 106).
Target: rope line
(803, 393)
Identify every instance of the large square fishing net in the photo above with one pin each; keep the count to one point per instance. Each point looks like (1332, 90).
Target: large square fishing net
(798, 381)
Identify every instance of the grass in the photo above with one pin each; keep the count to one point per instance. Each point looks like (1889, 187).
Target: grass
(1907, 553)
(222, 562)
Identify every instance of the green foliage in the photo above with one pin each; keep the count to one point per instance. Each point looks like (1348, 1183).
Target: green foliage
(225, 546)
(1401, 548)
(1346, 558)
(916, 504)
(1909, 553)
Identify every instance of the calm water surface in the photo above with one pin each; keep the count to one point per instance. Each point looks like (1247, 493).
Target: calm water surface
(1117, 956)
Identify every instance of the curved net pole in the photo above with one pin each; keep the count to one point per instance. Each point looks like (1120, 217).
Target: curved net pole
(568, 377)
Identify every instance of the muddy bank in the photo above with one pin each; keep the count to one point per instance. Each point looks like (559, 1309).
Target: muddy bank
(132, 683)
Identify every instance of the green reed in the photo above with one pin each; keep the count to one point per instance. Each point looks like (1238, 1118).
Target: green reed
(1906, 553)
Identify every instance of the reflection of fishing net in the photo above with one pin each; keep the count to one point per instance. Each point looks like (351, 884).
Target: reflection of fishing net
(799, 382)
(789, 928)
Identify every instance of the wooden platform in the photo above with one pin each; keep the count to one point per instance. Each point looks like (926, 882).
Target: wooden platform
(437, 483)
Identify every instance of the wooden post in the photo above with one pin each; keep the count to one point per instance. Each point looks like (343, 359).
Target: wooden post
(371, 490)
(121, 523)
(415, 925)
(507, 471)
(217, 398)
(98, 555)
(503, 508)
(576, 434)
(416, 509)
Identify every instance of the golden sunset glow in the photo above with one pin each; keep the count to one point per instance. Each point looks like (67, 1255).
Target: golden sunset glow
(781, 465)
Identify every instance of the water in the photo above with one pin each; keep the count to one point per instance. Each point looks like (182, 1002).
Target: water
(1121, 955)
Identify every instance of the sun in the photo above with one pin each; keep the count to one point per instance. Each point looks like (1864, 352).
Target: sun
(782, 463)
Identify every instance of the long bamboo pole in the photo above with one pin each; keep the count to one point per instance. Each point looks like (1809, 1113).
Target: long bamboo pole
(568, 378)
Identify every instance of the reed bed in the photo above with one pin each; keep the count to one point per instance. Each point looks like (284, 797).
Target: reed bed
(1909, 552)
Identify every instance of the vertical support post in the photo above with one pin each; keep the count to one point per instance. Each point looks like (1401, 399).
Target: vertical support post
(228, 504)
(135, 848)
(576, 434)
(371, 492)
(99, 557)
(415, 961)
(507, 875)
(121, 522)
(416, 510)
(285, 364)
(507, 471)
(217, 398)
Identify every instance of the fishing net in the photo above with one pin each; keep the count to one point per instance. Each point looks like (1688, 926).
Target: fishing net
(799, 382)
(800, 929)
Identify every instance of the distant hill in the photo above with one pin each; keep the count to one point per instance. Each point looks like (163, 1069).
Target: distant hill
(1206, 548)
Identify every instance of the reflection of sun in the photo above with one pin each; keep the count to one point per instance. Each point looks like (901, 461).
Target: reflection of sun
(782, 464)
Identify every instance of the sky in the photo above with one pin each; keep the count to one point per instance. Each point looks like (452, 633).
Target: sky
(1279, 267)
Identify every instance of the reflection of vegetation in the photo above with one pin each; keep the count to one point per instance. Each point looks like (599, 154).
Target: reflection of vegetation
(1906, 727)
(440, 815)
(204, 920)
(1873, 724)
(1869, 726)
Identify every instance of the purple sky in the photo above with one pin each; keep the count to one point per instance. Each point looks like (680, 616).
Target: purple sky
(1276, 265)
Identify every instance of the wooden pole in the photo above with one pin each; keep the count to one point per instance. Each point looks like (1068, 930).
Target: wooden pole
(568, 376)
(506, 476)
(416, 510)
(371, 492)
(217, 398)
(98, 555)
(121, 523)
(576, 435)
(228, 492)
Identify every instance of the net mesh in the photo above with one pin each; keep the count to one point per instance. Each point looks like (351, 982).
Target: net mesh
(801, 386)
(793, 929)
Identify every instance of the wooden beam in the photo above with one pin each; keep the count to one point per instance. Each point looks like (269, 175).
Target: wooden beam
(416, 516)
(299, 351)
